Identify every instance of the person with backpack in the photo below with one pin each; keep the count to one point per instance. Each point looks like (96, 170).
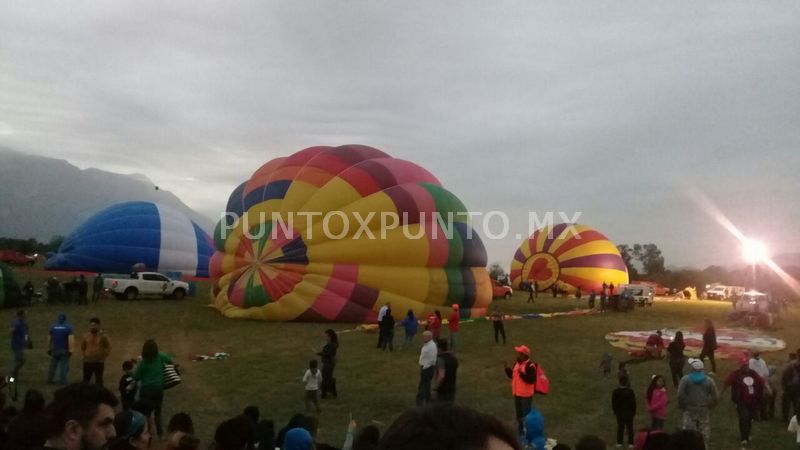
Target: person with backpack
(525, 375)
(747, 391)
(623, 403)
(697, 394)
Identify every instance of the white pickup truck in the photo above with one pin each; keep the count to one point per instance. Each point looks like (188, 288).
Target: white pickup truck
(145, 284)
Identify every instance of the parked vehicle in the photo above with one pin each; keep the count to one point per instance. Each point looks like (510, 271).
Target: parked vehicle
(658, 289)
(500, 290)
(144, 284)
(642, 294)
(722, 292)
(17, 258)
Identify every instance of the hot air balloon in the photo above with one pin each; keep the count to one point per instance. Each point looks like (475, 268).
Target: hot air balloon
(569, 256)
(126, 234)
(311, 237)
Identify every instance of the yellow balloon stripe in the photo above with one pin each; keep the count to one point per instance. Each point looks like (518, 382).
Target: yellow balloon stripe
(395, 250)
(597, 273)
(589, 248)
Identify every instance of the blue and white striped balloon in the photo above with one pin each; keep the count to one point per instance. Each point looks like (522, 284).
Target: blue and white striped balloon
(125, 234)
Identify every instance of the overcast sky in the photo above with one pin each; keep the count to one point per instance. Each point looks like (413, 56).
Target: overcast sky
(614, 109)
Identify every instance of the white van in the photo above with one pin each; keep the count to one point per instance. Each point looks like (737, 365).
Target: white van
(642, 294)
(721, 292)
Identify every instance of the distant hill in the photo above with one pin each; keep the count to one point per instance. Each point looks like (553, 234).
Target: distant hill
(41, 197)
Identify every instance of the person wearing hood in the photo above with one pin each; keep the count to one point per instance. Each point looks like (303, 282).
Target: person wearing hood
(298, 439)
(747, 392)
(410, 324)
(95, 347)
(697, 395)
(61, 342)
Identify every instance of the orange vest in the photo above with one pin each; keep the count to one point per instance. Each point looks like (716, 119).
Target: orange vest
(519, 387)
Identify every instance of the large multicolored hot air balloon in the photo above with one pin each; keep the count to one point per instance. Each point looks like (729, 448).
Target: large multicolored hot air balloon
(311, 237)
(126, 234)
(570, 256)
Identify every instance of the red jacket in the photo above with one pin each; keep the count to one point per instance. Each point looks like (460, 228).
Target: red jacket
(454, 322)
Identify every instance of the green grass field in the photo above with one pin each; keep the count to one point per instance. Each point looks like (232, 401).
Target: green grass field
(268, 360)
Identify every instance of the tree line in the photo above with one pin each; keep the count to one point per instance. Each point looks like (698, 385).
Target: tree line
(30, 246)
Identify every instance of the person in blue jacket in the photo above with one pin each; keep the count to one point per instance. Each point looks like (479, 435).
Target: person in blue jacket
(410, 324)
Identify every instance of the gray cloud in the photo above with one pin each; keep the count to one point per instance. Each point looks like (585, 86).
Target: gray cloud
(609, 108)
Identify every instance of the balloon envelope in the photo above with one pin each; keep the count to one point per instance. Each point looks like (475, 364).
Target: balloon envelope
(569, 256)
(316, 241)
(123, 235)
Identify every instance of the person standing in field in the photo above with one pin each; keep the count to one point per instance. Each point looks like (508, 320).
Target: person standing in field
(446, 371)
(531, 293)
(381, 313)
(657, 400)
(328, 358)
(427, 368)
(435, 325)
(709, 344)
(312, 379)
(497, 323)
(95, 347)
(623, 403)
(676, 358)
(60, 346)
(454, 324)
(97, 287)
(411, 326)
(697, 395)
(747, 392)
(523, 381)
(386, 327)
(150, 375)
(20, 341)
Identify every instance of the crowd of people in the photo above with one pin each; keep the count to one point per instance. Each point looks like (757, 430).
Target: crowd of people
(138, 423)
(754, 387)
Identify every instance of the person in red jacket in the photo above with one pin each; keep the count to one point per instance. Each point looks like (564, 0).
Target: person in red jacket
(435, 324)
(454, 324)
(523, 379)
(747, 392)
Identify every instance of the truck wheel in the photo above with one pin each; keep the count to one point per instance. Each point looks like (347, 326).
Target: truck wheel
(179, 294)
(131, 293)
(507, 296)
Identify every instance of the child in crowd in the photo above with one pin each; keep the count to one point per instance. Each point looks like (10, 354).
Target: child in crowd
(127, 386)
(312, 379)
(657, 400)
(623, 403)
(605, 364)
(622, 371)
